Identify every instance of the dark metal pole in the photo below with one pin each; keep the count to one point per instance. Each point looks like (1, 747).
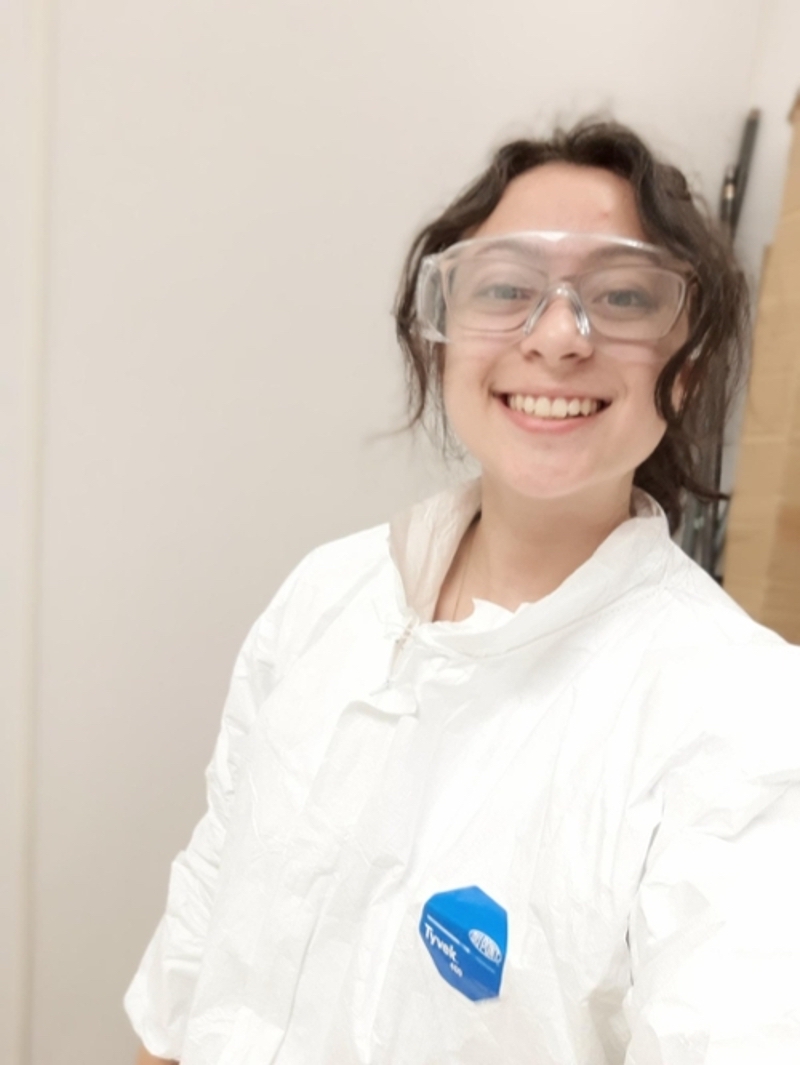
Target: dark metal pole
(703, 534)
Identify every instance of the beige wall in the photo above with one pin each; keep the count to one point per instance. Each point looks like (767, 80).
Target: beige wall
(210, 166)
(24, 64)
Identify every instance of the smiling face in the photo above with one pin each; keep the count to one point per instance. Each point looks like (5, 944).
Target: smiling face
(505, 397)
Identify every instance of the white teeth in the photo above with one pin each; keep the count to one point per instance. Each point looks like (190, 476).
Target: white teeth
(560, 407)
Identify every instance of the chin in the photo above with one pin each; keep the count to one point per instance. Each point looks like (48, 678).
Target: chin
(560, 484)
(543, 487)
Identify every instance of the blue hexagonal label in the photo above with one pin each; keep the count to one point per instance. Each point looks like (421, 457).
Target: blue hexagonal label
(466, 933)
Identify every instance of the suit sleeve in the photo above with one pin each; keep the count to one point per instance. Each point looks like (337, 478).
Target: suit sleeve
(715, 930)
(159, 998)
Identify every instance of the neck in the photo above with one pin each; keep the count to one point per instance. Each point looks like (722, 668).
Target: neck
(524, 548)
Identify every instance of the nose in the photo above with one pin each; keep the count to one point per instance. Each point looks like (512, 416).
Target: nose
(558, 326)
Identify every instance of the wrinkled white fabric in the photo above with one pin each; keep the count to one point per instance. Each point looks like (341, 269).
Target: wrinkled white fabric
(618, 765)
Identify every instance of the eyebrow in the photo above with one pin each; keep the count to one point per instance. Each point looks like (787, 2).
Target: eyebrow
(492, 245)
(656, 256)
(611, 253)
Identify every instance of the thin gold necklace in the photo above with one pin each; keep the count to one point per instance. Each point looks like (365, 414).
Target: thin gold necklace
(471, 530)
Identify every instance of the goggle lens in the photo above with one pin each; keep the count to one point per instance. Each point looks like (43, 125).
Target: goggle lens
(487, 287)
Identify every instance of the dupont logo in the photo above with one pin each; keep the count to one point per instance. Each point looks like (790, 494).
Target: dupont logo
(486, 945)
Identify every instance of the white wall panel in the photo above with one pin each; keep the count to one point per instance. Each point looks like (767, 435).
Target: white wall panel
(773, 85)
(23, 172)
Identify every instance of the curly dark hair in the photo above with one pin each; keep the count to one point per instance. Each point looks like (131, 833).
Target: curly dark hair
(710, 364)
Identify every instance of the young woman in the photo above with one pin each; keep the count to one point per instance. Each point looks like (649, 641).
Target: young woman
(512, 780)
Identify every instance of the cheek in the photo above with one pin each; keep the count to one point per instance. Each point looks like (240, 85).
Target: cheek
(649, 397)
(465, 375)
(639, 372)
(668, 347)
(466, 394)
(642, 421)
(457, 395)
(651, 424)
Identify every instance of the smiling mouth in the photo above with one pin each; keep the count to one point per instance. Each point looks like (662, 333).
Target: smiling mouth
(559, 409)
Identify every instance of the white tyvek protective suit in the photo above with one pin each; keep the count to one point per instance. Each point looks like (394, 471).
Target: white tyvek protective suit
(617, 765)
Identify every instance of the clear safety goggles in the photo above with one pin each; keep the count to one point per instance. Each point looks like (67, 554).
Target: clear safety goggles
(618, 289)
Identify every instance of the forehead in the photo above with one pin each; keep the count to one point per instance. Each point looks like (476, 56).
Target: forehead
(560, 196)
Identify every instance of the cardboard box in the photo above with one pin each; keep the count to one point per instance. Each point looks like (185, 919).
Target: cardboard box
(762, 554)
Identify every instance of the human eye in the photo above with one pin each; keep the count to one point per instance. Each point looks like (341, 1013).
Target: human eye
(491, 285)
(503, 292)
(489, 295)
(628, 299)
(625, 293)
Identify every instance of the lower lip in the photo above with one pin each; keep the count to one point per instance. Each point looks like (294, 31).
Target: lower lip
(531, 424)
